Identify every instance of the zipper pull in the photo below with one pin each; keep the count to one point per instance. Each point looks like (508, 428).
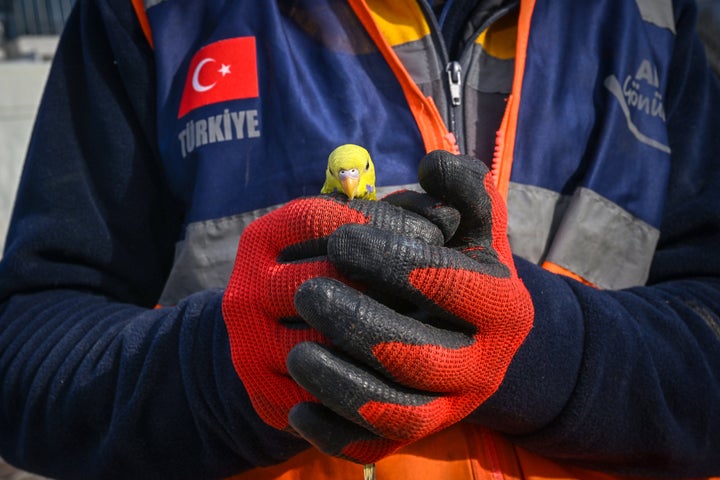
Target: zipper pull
(454, 72)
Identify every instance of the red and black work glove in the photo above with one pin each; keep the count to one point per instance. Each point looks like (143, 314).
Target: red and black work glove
(387, 378)
(277, 253)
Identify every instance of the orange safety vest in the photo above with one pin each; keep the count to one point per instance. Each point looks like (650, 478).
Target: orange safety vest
(463, 451)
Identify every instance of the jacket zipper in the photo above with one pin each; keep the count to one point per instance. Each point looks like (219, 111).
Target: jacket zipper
(454, 73)
(454, 70)
(453, 83)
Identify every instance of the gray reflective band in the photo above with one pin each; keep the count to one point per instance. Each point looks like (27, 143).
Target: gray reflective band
(152, 3)
(603, 243)
(534, 213)
(584, 233)
(419, 59)
(205, 258)
(423, 64)
(657, 12)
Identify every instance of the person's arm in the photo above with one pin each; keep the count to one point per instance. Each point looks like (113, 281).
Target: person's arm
(640, 368)
(95, 382)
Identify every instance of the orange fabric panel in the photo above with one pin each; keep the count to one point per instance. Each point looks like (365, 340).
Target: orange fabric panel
(310, 464)
(139, 7)
(400, 21)
(459, 452)
(500, 38)
(505, 145)
(555, 268)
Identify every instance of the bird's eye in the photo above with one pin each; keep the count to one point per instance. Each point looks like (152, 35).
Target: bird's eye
(367, 165)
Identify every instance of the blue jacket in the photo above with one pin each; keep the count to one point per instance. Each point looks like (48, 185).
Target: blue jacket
(139, 179)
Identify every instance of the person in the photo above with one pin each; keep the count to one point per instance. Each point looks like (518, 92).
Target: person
(178, 301)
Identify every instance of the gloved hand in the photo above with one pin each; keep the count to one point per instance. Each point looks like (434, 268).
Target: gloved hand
(388, 379)
(276, 253)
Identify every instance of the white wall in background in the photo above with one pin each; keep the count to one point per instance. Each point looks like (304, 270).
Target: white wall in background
(21, 85)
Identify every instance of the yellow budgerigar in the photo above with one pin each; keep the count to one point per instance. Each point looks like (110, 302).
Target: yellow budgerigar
(350, 170)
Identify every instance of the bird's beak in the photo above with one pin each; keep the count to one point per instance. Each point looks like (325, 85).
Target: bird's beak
(349, 186)
(349, 179)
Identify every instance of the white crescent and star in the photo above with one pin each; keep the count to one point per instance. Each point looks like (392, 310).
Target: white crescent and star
(199, 87)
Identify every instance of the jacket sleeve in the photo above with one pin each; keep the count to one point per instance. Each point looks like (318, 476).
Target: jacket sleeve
(629, 381)
(96, 383)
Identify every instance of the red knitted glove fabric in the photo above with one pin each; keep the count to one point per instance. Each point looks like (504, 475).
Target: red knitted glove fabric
(277, 253)
(400, 376)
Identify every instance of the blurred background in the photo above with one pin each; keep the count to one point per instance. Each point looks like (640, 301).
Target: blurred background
(29, 32)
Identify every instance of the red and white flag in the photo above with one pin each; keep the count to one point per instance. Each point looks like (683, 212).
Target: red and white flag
(224, 70)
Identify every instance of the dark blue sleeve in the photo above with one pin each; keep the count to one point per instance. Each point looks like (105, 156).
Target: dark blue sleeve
(629, 381)
(96, 383)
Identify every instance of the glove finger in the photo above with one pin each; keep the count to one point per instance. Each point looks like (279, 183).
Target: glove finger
(362, 396)
(336, 436)
(358, 325)
(445, 217)
(297, 230)
(391, 218)
(387, 261)
(301, 227)
(310, 227)
(464, 297)
(464, 182)
(457, 180)
(379, 337)
(290, 243)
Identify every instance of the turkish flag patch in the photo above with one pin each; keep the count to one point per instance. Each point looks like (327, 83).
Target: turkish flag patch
(224, 70)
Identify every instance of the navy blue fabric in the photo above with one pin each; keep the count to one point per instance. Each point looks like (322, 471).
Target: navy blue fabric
(572, 54)
(301, 116)
(98, 384)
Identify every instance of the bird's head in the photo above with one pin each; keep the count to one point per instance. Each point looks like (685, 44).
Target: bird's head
(350, 170)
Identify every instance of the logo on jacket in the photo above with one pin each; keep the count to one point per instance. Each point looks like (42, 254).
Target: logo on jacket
(222, 71)
(640, 93)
